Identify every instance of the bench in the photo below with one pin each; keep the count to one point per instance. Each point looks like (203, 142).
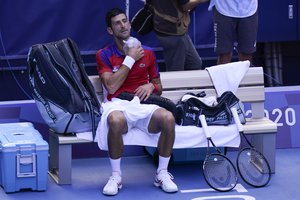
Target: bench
(175, 84)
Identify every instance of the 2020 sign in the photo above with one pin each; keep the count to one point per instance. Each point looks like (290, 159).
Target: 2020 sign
(281, 117)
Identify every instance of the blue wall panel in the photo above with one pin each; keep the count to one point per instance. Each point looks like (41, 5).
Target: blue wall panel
(24, 23)
(277, 20)
(36, 21)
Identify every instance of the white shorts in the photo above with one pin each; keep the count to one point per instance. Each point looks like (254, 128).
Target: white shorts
(143, 123)
(137, 116)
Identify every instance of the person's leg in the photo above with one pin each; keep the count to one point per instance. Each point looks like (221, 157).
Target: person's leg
(163, 121)
(224, 58)
(117, 126)
(245, 56)
(192, 59)
(173, 51)
(246, 37)
(224, 29)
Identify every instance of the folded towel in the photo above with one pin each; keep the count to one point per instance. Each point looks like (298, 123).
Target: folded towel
(227, 77)
(185, 136)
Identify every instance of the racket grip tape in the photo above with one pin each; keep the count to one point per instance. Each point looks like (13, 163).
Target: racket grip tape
(237, 119)
(204, 125)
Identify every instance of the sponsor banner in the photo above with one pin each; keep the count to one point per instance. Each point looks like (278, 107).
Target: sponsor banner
(282, 105)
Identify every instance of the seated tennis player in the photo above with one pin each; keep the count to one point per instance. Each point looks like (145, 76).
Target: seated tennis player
(128, 66)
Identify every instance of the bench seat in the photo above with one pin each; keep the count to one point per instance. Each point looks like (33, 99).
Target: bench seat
(175, 84)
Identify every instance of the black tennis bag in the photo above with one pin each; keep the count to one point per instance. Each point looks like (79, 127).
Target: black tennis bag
(61, 88)
(142, 21)
(189, 110)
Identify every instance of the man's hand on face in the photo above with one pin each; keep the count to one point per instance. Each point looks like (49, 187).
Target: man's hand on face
(136, 53)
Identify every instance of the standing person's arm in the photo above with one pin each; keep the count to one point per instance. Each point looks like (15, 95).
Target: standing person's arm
(191, 4)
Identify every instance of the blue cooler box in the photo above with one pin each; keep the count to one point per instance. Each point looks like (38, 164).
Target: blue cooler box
(23, 158)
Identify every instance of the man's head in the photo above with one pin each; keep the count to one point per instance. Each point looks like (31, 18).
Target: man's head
(117, 24)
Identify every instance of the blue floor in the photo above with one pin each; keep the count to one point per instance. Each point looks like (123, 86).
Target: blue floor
(89, 176)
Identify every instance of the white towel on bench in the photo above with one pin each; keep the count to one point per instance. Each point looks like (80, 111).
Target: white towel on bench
(227, 77)
(186, 136)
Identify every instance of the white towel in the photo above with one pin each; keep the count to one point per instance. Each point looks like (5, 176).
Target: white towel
(227, 77)
(130, 43)
(85, 136)
(185, 136)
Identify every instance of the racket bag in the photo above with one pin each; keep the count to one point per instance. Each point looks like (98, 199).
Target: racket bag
(61, 88)
(189, 109)
(142, 21)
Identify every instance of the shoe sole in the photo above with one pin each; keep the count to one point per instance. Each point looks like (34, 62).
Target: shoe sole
(112, 194)
(156, 184)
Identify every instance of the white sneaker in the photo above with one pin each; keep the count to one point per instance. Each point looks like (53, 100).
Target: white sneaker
(113, 185)
(164, 180)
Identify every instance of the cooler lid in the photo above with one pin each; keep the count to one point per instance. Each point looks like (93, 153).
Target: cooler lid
(21, 137)
(15, 125)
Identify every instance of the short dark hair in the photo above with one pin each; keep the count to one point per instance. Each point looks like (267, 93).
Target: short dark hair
(112, 13)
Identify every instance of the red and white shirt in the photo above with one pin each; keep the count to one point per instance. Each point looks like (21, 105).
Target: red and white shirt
(110, 59)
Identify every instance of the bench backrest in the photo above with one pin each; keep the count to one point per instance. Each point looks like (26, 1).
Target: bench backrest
(177, 83)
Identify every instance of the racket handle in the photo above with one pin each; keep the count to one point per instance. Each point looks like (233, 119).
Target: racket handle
(204, 125)
(237, 119)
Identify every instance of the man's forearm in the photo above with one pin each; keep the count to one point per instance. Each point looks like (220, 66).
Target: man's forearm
(113, 81)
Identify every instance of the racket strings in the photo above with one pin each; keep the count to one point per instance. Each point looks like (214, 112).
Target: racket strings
(219, 173)
(253, 168)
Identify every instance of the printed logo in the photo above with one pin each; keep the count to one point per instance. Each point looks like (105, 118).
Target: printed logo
(39, 72)
(142, 65)
(191, 115)
(115, 68)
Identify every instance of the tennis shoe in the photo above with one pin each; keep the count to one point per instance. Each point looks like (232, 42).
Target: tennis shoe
(113, 185)
(164, 180)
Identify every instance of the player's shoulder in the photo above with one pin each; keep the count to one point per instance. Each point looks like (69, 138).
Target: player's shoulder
(107, 51)
(106, 48)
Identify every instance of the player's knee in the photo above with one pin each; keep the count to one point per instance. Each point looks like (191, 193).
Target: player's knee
(116, 119)
(167, 118)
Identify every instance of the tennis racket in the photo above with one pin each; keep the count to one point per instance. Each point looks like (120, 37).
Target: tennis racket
(219, 172)
(252, 166)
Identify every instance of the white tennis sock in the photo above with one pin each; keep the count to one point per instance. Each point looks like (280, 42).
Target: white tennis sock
(162, 163)
(115, 166)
